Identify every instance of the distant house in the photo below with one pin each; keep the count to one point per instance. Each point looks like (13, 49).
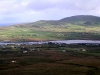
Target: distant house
(82, 49)
(25, 51)
(12, 46)
(13, 61)
(64, 50)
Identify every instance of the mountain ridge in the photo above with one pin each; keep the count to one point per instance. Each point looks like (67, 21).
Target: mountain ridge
(77, 19)
(82, 19)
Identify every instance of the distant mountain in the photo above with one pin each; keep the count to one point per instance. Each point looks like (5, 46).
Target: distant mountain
(81, 19)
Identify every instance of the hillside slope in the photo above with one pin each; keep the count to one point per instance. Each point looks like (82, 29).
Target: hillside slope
(75, 27)
(79, 20)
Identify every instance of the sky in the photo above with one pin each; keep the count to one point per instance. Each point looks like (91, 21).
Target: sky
(23, 11)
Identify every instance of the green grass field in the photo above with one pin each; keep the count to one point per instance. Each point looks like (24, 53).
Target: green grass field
(49, 32)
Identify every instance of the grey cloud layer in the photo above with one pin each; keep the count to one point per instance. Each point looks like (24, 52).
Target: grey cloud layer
(47, 9)
(40, 5)
(65, 4)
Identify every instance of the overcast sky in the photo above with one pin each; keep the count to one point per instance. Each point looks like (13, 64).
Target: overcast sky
(21, 11)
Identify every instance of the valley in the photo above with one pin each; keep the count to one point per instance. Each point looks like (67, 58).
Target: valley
(51, 58)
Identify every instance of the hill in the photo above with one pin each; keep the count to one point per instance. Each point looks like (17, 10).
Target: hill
(74, 27)
(81, 19)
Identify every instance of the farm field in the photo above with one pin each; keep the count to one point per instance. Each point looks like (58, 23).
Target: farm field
(50, 32)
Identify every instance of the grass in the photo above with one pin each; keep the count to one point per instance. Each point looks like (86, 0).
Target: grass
(50, 32)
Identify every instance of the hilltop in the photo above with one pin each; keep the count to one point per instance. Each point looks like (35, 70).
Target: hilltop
(82, 19)
(78, 19)
(74, 27)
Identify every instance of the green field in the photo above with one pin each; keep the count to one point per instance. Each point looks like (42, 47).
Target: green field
(75, 27)
(49, 32)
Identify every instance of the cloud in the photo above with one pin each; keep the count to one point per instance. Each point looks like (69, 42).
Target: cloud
(33, 10)
(22, 6)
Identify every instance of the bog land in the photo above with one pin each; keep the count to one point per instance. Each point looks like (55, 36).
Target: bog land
(50, 59)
